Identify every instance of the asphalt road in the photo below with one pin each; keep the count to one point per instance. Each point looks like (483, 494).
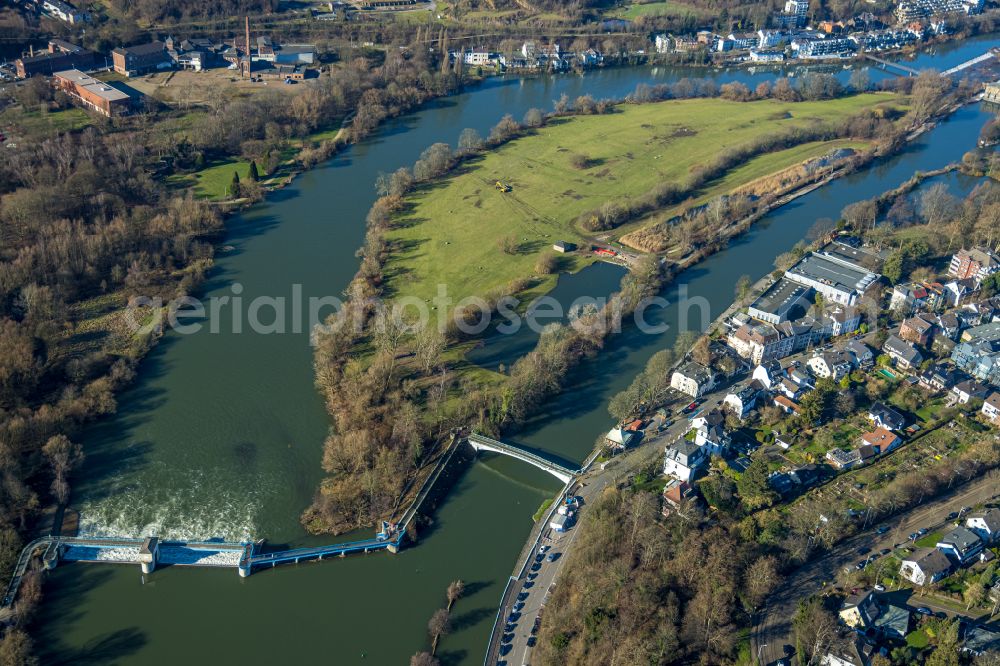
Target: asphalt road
(533, 588)
(773, 624)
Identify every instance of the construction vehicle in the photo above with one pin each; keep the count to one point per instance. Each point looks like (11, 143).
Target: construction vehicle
(503, 187)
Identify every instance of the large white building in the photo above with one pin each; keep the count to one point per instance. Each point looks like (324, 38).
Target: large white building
(837, 279)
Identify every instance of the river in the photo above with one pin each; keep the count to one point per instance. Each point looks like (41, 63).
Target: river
(222, 434)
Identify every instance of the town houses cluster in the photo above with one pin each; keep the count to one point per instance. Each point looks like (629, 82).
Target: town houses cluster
(809, 325)
(793, 38)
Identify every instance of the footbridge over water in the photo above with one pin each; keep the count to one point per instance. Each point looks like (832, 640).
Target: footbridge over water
(556, 469)
(900, 68)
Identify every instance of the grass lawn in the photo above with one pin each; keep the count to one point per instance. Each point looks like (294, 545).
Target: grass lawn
(918, 639)
(665, 7)
(38, 123)
(928, 540)
(213, 182)
(449, 232)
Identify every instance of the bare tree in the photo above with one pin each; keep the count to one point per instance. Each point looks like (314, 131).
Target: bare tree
(438, 626)
(455, 590)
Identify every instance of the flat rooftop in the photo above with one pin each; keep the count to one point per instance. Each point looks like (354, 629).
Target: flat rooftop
(855, 255)
(782, 299)
(92, 85)
(833, 271)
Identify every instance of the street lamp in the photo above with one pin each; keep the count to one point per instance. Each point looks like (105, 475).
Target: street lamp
(759, 649)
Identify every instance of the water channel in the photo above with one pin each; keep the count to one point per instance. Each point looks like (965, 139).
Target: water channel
(221, 436)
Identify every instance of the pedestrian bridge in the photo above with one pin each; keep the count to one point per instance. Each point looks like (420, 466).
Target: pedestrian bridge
(561, 472)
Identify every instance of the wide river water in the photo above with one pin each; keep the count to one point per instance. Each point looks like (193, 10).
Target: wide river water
(221, 436)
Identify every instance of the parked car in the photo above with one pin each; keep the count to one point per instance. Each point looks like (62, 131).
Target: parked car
(882, 530)
(914, 536)
(861, 565)
(885, 551)
(880, 588)
(924, 610)
(952, 516)
(864, 550)
(922, 531)
(544, 549)
(552, 557)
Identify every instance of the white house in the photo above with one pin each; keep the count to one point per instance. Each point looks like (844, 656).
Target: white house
(961, 544)
(925, 566)
(662, 43)
(742, 399)
(991, 407)
(862, 353)
(768, 374)
(683, 459)
(693, 379)
(833, 365)
(985, 525)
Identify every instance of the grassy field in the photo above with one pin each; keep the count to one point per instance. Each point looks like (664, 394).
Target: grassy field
(450, 229)
(213, 181)
(37, 124)
(666, 7)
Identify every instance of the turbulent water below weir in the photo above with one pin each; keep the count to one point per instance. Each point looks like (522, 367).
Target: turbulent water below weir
(222, 434)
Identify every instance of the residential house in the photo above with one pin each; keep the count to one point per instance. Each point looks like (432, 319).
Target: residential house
(887, 417)
(968, 390)
(986, 525)
(683, 459)
(830, 364)
(960, 544)
(832, 47)
(925, 566)
(863, 355)
(678, 497)
(859, 611)
(978, 352)
(662, 43)
(791, 389)
(977, 263)
(893, 622)
(980, 640)
(957, 292)
(692, 378)
(881, 440)
(784, 300)
(940, 377)
(769, 38)
(64, 11)
(903, 354)
(742, 399)
(918, 329)
(136, 60)
(991, 407)
(768, 374)
(908, 298)
(845, 320)
(710, 432)
(950, 325)
(841, 459)
(766, 56)
(786, 404)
